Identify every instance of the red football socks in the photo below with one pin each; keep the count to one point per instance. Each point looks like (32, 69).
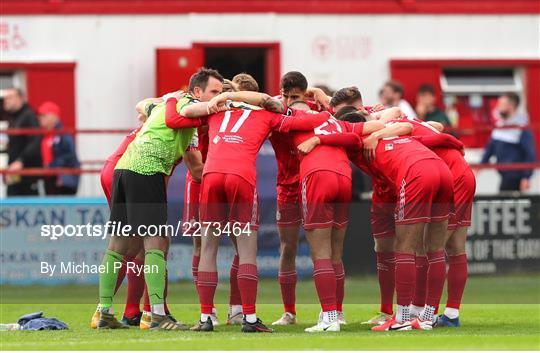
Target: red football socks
(386, 267)
(287, 281)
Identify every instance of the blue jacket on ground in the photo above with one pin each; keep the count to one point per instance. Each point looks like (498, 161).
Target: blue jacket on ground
(36, 321)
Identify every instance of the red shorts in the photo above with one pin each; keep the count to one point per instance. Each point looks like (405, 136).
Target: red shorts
(326, 196)
(190, 214)
(464, 189)
(382, 215)
(106, 178)
(228, 198)
(426, 193)
(288, 211)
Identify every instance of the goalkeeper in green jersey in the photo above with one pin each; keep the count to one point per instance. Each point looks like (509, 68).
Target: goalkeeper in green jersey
(139, 200)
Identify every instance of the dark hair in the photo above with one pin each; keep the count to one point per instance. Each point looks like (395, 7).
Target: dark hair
(351, 114)
(293, 79)
(246, 82)
(347, 95)
(327, 90)
(426, 88)
(200, 78)
(354, 117)
(513, 98)
(396, 86)
(345, 110)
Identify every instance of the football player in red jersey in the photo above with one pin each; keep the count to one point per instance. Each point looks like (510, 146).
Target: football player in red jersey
(190, 218)
(228, 194)
(422, 198)
(326, 192)
(382, 207)
(464, 189)
(293, 87)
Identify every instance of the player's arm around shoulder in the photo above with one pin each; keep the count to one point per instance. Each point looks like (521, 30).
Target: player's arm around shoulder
(219, 102)
(391, 130)
(145, 106)
(436, 125)
(175, 120)
(387, 115)
(372, 126)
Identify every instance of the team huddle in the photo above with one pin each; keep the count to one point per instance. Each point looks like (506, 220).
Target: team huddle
(421, 205)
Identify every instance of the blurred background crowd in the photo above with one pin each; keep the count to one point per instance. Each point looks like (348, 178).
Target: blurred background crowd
(52, 148)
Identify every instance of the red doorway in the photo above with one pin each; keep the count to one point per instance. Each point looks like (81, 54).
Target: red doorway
(174, 67)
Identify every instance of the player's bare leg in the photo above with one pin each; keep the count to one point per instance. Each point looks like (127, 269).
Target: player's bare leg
(196, 256)
(384, 249)
(320, 243)
(457, 276)
(235, 315)
(288, 237)
(407, 238)
(338, 239)
(434, 247)
(207, 277)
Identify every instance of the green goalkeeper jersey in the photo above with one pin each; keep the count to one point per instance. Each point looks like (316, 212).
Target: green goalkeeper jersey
(157, 148)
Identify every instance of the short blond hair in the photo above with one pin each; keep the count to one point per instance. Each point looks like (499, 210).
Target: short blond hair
(229, 86)
(246, 82)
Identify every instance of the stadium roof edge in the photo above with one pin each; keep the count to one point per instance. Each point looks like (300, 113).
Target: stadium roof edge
(145, 7)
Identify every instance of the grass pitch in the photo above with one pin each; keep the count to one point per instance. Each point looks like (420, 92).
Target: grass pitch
(501, 313)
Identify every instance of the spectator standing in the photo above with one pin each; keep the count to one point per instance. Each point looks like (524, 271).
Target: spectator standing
(426, 108)
(511, 145)
(57, 151)
(23, 150)
(392, 96)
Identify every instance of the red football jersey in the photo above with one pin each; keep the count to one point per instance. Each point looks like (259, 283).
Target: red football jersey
(394, 157)
(323, 157)
(288, 162)
(235, 137)
(200, 142)
(450, 156)
(202, 133)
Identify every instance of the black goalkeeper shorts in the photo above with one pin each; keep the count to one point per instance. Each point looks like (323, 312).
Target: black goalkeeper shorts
(138, 200)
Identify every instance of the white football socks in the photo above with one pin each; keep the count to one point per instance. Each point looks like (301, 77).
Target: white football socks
(158, 309)
(251, 318)
(428, 314)
(416, 310)
(451, 313)
(403, 313)
(235, 309)
(330, 316)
